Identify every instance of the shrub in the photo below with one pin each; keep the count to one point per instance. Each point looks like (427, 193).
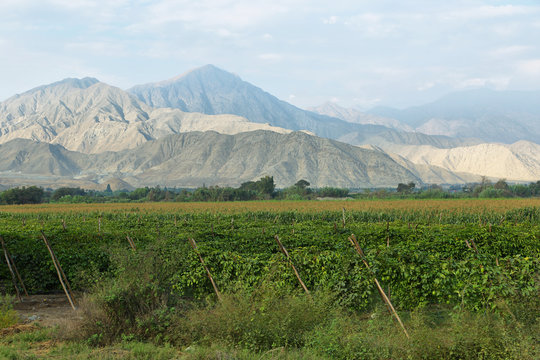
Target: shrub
(8, 316)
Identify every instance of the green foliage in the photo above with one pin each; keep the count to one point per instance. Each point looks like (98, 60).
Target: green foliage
(24, 195)
(8, 316)
(264, 186)
(65, 191)
(332, 192)
(405, 188)
(261, 320)
(480, 270)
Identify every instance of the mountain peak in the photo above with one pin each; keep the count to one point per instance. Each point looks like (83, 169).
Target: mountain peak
(205, 72)
(67, 83)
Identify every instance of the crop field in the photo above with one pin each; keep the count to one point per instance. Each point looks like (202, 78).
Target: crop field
(474, 256)
(469, 206)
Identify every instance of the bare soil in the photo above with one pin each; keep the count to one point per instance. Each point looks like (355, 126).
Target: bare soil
(47, 310)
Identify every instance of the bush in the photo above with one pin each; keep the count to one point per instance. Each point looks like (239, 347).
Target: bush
(259, 321)
(8, 316)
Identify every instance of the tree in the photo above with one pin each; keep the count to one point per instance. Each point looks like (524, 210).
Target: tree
(264, 186)
(302, 184)
(405, 188)
(501, 185)
(24, 195)
(63, 191)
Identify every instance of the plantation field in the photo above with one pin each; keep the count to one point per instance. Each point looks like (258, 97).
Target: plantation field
(467, 264)
(454, 205)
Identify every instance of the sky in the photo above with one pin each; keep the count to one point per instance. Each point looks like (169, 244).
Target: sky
(355, 53)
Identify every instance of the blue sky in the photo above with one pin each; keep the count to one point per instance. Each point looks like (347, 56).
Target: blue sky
(356, 53)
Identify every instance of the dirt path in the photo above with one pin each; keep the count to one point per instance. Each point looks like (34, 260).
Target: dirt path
(47, 310)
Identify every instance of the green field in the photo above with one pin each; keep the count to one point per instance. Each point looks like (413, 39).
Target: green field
(463, 275)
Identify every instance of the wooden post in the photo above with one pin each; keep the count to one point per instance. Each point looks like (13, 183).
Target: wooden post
(474, 246)
(194, 246)
(354, 242)
(13, 279)
(14, 267)
(387, 234)
(131, 243)
(284, 251)
(59, 271)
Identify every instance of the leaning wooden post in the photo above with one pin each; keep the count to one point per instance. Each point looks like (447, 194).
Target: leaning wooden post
(194, 246)
(131, 243)
(14, 267)
(59, 270)
(284, 251)
(354, 242)
(13, 279)
(6, 252)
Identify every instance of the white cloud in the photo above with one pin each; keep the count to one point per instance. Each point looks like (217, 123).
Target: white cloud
(489, 12)
(498, 83)
(210, 15)
(372, 24)
(108, 48)
(271, 57)
(426, 86)
(331, 20)
(529, 67)
(510, 51)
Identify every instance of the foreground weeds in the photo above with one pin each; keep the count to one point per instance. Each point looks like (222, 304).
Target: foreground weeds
(266, 324)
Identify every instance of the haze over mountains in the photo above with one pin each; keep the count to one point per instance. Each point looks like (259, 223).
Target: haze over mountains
(210, 90)
(208, 126)
(492, 116)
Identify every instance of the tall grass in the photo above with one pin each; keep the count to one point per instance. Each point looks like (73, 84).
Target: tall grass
(8, 316)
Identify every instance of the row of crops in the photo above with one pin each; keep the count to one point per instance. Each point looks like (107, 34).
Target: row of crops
(422, 257)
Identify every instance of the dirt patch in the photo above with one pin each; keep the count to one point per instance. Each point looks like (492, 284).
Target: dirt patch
(17, 328)
(47, 310)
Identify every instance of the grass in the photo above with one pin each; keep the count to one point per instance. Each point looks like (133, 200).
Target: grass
(8, 316)
(295, 327)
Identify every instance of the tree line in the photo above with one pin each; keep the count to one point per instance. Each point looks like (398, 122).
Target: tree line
(264, 189)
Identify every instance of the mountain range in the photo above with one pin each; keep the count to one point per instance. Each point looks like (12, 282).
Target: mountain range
(210, 90)
(209, 126)
(195, 158)
(492, 116)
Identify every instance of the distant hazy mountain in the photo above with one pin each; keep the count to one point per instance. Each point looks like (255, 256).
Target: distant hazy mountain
(518, 161)
(430, 174)
(89, 116)
(357, 117)
(211, 90)
(493, 116)
(193, 159)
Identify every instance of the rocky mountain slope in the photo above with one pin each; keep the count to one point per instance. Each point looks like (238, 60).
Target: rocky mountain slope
(518, 161)
(196, 158)
(211, 90)
(492, 116)
(89, 116)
